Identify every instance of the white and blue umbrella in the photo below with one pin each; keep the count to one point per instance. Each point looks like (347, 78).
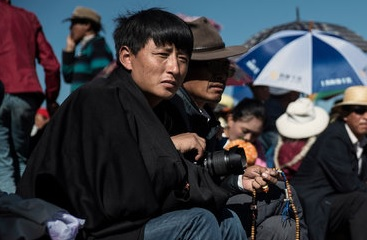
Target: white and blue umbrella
(305, 61)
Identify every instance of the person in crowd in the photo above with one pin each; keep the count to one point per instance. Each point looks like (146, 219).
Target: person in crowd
(190, 111)
(331, 181)
(120, 170)
(275, 105)
(22, 43)
(86, 52)
(246, 122)
(203, 86)
(298, 128)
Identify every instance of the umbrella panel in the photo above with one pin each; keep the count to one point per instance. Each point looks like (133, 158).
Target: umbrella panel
(307, 62)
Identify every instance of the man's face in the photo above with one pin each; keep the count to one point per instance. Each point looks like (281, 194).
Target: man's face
(158, 70)
(206, 80)
(357, 120)
(78, 29)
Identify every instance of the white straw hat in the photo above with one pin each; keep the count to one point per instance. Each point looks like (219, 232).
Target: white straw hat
(355, 95)
(302, 120)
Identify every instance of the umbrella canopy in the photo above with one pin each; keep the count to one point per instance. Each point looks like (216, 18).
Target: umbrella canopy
(305, 61)
(335, 29)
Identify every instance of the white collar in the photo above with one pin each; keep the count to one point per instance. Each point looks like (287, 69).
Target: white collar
(86, 39)
(353, 137)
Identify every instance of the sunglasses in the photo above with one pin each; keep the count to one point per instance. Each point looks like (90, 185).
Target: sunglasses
(358, 109)
(215, 66)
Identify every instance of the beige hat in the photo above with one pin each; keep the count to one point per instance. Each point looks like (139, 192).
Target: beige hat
(208, 44)
(355, 95)
(302, 120)
(85, 13)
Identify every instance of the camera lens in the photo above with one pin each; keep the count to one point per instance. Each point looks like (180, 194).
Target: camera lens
(221, 163)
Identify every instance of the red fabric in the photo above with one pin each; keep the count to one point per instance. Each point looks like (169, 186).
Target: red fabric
(22, 43)
(43, 112)
(287, 152)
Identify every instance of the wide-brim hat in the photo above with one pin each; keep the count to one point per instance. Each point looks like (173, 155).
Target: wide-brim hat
(208, 44)
(355, 95)
(302, 119)
(84, 13)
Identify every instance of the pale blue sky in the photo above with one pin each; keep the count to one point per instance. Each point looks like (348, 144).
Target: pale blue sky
(240, 19)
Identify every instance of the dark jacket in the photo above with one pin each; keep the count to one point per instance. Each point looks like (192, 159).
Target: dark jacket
(330, 167)
(180, 115)
(105, 157)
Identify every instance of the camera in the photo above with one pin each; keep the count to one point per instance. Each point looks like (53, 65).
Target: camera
(225, 162)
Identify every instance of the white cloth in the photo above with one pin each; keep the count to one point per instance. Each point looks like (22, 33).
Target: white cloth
(64, 226)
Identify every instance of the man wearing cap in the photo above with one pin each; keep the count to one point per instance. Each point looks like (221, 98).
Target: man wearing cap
(331, 182)
(22, 44)
(189, 114)
(79, 67)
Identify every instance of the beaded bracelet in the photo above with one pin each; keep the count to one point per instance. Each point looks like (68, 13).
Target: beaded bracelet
(289, 202)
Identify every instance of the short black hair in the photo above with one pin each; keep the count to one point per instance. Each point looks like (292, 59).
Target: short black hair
(135, 29)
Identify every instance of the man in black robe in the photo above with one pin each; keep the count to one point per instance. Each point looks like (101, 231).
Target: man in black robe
(106, 158)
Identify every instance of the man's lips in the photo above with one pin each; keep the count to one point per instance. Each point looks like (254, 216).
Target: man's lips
(217, 86)
(169, 83)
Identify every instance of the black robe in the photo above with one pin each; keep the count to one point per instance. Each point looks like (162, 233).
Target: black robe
(106, 157)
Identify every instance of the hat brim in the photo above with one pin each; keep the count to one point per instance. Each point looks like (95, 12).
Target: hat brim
(294, 130)
(76, 18)
(349, 104)
(219, 53)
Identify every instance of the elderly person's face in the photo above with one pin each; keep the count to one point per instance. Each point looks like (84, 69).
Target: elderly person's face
(206, 80)
(357, 120)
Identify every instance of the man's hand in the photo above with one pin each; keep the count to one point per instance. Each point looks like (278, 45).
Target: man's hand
(186, 142)
(258, 178)
(70, 44)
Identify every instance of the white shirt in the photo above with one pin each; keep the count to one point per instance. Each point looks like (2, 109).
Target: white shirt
(359, 145)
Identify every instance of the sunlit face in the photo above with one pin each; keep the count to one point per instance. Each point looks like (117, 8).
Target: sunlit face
(206, 80)
(247, 129)
(158, 70)
(357, 121)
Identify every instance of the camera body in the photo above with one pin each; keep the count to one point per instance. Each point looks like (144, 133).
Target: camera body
(225, 162)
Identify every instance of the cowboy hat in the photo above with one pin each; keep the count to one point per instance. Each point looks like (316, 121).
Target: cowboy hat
(302, 120)
(85, 13)
(208, 44)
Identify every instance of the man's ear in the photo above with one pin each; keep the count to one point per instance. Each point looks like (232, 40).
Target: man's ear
(125, 57)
